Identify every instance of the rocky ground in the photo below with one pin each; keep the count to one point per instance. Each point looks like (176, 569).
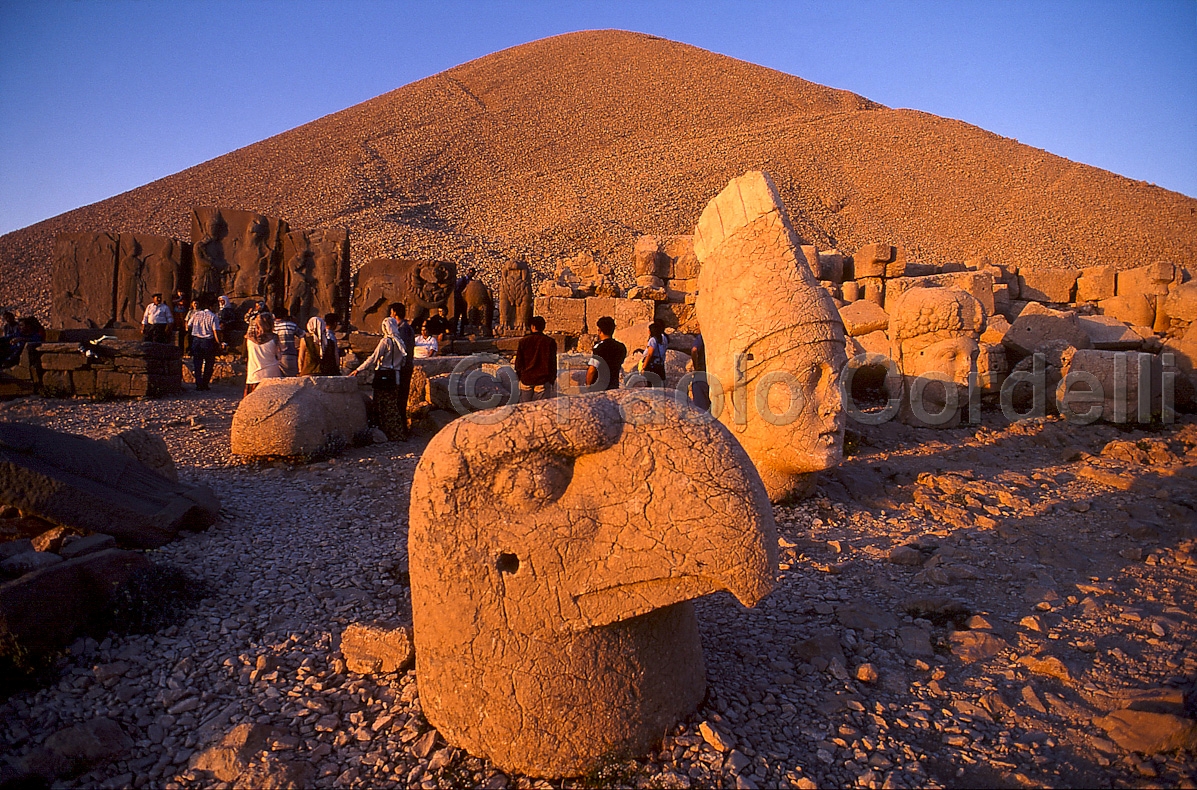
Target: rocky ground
(957, 608)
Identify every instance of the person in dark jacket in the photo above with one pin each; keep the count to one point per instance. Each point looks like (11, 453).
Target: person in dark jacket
(536, 363)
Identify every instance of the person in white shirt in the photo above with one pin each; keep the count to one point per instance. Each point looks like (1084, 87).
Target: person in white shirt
(426, 345)
(204, 326)
(263, 357)
(387, 364)
(156, 323)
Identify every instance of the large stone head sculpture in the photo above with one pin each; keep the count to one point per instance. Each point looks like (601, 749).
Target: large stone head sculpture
(934, 340)
(774, 340)
(553, 557)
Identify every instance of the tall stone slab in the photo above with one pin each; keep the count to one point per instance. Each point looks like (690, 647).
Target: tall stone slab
(238, 254)
(83, 280)
(148, 265)
(774, 340)
(515, 298)
(316, 272)
(422, 286)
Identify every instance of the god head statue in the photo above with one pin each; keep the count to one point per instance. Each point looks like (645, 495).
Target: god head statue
(774, 339)
(553, 558)
(934, 339)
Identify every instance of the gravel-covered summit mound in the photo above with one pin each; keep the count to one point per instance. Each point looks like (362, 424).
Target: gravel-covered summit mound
(585, 140)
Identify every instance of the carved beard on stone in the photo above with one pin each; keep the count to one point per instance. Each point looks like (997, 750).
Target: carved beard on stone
(774, 339)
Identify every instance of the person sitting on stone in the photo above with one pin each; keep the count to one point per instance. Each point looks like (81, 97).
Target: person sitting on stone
(289, 335)
(438, 326)
(536, 363)
(8, 331)
(426, 343)
(157, 321)
(263, 357)
(606, 358)
(29, 334)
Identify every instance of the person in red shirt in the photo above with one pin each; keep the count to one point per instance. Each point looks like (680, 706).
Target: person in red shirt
(536, 363)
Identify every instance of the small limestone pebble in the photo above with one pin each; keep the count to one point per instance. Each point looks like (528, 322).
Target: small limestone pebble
(716, 738)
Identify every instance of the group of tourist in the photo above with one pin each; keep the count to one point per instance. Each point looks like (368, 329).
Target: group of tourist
(275, 347)
(17, 336)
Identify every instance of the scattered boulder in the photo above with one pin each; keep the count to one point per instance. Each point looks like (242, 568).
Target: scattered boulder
(1095, 283)
(28, 562)
(1181, 302)
(1148, 732)
(73, 750)
(1046, 285)
(1136, 309)
(85, 484)
(86, 545)
(1105, 385)
(971, 646)
(235, 753)
(916, 642)
(373, 647)
(147, 447)
(304, 416)
(44, 609)
(1107, 333)
(1037, 325)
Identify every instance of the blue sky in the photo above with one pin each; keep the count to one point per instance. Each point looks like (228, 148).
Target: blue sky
(101, 96)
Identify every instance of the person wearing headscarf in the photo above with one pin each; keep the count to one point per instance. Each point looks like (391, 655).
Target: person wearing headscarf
(386, 363)
(312, 346)
(264, 359)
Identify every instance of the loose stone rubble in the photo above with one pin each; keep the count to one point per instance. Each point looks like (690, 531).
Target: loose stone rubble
(1065, 544)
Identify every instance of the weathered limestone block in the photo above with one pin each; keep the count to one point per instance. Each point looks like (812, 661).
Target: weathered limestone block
(831, 266)
(1135, 309)
(1109, 334)
(648, 259)
(83, 280)
(934, 335)
(811, 254)
(1181, 302)
(1151, 280)
(872, 288)
(564, 316)
(83, 483)
(515, 298)
(626, 312)
(681, 262)
(316, 272)
(871, 260)
(148, 448)
(1129, 385)
(148, 265)
(74, 750)
(675, 316)
(1095, 283)
(559, 602)
(1046, 285)
(304, 416)
(850, 291)
(991, 366)
(1037, 325)
(422, 286)
(44, 610)
(376, 647)
(237, 253)
(863, 317)
(774, 340)
(979, 285)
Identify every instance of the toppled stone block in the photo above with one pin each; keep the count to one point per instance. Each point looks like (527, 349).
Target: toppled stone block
(561, 316)
(1181, 302)
(972, 646)
(1109, 334)
(861, 318)
(871, 260)
(235, 753)
(44, 610)
(1149, 733)
(28, 562)
(374, 647)
(148, 448)
(1135, 309)
(978, 285)
(304, 416)
(1114, 386)
(1096, 283)
(675, 316)
(86, 545)
(83, 483)
(1150, 280)
(1037, 325)
(1046, 285)
(626, 312)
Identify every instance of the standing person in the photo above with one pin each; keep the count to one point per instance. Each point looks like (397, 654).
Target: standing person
(330, 360)
(204, 327)
(606, 358)
(289, 336)
(407, 336)
(314, 347)
(388, 360)
(156, 322)
(426, 342)
(700, 389)
(536, 363)
(262, 354)
(179, 316)
(653, 362)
